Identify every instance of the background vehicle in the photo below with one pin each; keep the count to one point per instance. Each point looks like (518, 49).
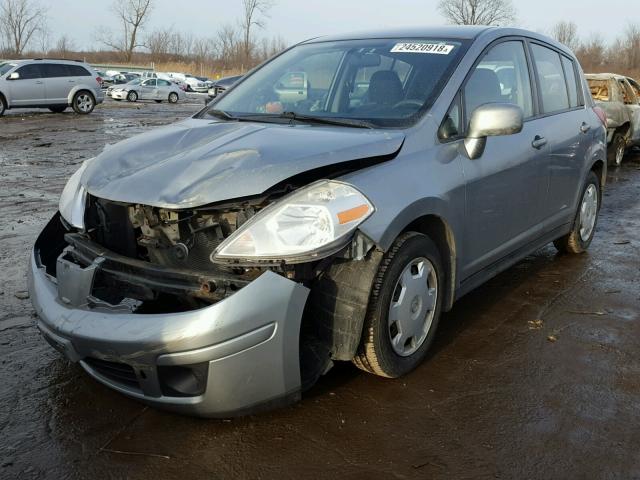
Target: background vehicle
(619, 97)
(221, 85)
(123, 78)
(52, 84)
(156, 89)
(109, 91)
(194, 84)
(105, 77)
(292, 224)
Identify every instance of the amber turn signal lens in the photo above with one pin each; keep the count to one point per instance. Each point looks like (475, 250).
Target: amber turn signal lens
(353, 214)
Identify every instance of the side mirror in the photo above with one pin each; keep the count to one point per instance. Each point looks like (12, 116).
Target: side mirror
(13, 76)
(491, 120)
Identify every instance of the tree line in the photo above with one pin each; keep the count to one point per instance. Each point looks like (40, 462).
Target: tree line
(236, 47)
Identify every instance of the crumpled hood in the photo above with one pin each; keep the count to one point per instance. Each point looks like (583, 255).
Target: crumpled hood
(196, 162)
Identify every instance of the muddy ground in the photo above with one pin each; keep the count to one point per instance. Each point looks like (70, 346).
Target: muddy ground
(534, 375)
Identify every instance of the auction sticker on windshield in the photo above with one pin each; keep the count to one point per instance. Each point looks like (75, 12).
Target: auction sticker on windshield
(435, 48)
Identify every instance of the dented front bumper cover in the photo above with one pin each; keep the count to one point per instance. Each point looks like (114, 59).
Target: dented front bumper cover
(236, 356)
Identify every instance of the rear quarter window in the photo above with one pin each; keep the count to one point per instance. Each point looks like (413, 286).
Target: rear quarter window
(572, 83)
(78, 71)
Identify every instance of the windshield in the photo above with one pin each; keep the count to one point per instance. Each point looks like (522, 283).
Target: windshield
(384, 82)
(5, 67)
(135, 81)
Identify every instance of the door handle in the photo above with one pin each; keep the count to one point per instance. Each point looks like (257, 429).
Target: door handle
(72, 81)
(585, 127)
(538, 142)
(38, 82)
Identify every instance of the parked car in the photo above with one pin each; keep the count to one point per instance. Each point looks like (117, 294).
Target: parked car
(221, 85)
(107, 79)
(619, 97)
(195, 85)
(52, 84)
(123, 78)
(134, 82)
(220, 265)
(150, 89)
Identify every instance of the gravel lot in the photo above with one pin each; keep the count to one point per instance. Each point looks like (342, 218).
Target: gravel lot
(534, 375)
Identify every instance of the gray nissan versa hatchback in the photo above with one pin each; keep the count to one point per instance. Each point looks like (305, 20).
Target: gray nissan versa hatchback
(330, 206)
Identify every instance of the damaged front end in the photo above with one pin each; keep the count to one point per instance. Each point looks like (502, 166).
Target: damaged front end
(139, 298)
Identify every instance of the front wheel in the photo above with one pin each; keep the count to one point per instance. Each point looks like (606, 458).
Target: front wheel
(584, 225)
(3, 105)
(173, 97)
(617, 149)
(132, 96)
(83, 103)
(404, 308)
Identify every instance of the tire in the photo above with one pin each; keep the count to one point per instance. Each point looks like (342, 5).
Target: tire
(584, 224)
(58, 109)
(401, 274)
(132, 96)
(616, 150)
(83, 102)
(3, 105)
(173, 97)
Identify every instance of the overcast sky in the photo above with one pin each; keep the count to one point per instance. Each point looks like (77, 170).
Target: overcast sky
(296, 20)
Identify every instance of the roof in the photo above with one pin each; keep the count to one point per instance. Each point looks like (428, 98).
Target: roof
(603, 76)
(467, 32)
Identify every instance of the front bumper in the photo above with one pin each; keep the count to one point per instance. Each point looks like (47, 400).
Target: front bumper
(247, 343)
(119, 94)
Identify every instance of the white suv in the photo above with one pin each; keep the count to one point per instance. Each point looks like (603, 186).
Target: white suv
(52, 84)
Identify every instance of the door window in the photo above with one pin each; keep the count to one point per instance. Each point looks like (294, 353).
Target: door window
(29, 72)
(149, 83)
(553, 87)
(502, 76)
(54, 70)
(635, 87)
(627, 93)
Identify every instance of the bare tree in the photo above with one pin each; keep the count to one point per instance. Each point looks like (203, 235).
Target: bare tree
(567, 34)
(159, 44)
(477, 12)
(592, 53)
(20, 20)
(132, 15)
(253, 13)
(64, 46)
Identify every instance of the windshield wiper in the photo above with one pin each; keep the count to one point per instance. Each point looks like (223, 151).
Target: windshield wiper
(344, 122)
(221, 114)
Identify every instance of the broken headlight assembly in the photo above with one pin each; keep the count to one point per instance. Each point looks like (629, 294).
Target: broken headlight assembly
(310, 223)
(74, 199)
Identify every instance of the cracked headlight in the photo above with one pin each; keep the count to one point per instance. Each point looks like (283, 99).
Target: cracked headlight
(312, 222)
(73, 199)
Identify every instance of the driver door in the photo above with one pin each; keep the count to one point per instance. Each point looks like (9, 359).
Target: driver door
(29, 88)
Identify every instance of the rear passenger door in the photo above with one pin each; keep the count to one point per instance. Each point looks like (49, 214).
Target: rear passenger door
(29, 88)
(504, 186)
(57, 82)
(568, 129)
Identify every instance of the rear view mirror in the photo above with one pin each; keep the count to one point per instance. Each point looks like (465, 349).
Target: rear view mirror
(366, 60)
(491, 120)
(13, 76)
(292, 87)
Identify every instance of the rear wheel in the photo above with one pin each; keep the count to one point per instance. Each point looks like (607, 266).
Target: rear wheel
(83, 103)
(132, 96)
(3, 105)
(404, 308)
(617, 149)
(584, 225)
(173, 97)
(58, 108)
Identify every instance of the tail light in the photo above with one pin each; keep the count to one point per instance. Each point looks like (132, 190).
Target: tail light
(601, 115)
(99, 80)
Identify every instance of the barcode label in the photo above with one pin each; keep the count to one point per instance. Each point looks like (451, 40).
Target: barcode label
(433, 48)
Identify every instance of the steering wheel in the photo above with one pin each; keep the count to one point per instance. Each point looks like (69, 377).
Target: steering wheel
(406, 103)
